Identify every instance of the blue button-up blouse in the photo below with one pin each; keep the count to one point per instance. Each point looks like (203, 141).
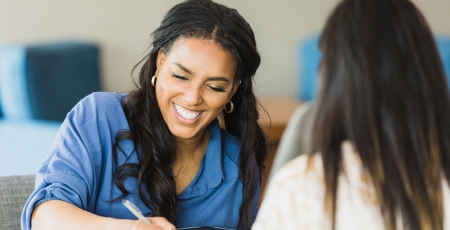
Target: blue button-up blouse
(79, 170)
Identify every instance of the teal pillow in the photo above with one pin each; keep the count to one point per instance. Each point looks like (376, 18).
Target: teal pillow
(45, 81)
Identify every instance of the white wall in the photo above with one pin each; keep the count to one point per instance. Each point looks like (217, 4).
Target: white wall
(122, 29)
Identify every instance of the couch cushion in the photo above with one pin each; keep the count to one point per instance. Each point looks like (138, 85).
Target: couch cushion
(13, 94)
(309, 57)
(59, 75)
(45, 81)
(443, 45)
(24, 145)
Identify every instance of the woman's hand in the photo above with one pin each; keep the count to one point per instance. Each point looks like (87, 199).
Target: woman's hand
(158, 223)
(57, 214)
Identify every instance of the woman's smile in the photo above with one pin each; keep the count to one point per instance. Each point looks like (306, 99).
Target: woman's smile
(187, 115)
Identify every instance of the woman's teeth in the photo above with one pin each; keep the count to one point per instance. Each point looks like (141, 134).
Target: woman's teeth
(186, 114)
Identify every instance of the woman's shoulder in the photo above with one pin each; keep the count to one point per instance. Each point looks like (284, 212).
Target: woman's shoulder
(308, 168)
(302, 172)
(98, 104)
(102, 99)
(294, 196)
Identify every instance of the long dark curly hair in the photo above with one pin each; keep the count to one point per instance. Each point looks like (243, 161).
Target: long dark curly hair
(155, 144)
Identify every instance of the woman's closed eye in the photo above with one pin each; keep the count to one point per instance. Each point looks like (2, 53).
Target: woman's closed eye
(179, 77)
(212, 87)
(216, 88)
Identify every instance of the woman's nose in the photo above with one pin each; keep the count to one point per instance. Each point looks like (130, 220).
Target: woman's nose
(193, 95)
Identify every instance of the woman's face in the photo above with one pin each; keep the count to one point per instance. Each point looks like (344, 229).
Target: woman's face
(194, 82)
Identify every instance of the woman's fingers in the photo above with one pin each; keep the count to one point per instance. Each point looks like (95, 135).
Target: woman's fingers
(157, 223)
(162, 223)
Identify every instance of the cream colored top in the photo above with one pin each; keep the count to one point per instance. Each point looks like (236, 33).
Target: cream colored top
(295, 197)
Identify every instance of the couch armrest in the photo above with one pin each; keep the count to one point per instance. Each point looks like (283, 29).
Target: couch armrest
(14, 192)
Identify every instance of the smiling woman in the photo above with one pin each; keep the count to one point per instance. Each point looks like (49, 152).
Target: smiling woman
(161, 146)
(193, 83)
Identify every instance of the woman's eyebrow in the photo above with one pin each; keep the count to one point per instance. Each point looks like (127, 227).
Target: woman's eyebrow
(209, 78)
(183, 68)
(219, 79)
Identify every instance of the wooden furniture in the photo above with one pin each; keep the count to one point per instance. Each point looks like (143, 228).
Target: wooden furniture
(279, 111)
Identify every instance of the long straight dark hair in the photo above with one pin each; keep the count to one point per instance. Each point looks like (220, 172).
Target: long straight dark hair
(383, 88)
(155, 145)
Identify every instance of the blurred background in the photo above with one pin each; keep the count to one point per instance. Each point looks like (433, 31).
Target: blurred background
(121, 32)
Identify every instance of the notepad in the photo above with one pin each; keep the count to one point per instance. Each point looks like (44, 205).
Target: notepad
(205, 228)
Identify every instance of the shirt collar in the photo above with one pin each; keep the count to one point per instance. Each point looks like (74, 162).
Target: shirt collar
(210, 173)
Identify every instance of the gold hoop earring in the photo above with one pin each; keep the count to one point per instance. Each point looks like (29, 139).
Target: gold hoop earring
(231, 107)
(153, 80)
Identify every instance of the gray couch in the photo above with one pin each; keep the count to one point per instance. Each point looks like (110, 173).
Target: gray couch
(291, 143)
(14, 192)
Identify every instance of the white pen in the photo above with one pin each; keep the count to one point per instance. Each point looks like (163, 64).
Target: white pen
(133, 209)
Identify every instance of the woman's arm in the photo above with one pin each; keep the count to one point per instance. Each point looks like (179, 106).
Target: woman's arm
(79, 160)
(56, 214)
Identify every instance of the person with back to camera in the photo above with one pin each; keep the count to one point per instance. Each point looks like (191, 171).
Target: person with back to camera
(379, 155)
(161, 146)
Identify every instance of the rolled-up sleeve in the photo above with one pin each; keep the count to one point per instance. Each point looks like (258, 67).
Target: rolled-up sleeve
(69, 173)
